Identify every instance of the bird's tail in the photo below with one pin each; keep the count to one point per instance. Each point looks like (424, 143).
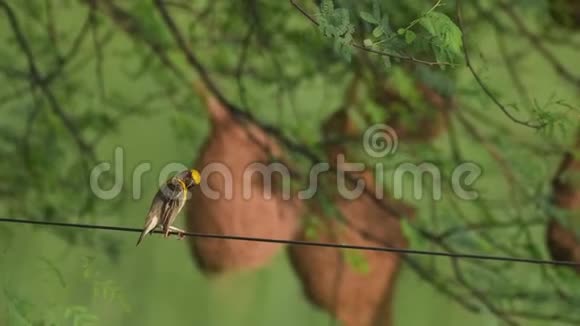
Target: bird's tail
(141, 237)
(149, 226)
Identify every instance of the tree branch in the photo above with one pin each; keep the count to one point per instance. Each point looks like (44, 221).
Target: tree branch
(379, 52)
(478, 79)
(537, 43)
(38, 80)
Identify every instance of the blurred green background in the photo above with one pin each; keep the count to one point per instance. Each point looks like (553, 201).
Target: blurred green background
(76, 276)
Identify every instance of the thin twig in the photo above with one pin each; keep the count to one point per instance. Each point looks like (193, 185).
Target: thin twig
(478, 79)
(38, 80)
(379, 52)
(480, 296)
(537, 43)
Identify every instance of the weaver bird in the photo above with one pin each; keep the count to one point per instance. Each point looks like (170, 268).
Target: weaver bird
(168, 202)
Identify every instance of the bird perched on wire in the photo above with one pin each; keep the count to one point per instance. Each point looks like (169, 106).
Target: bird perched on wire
(168, 202)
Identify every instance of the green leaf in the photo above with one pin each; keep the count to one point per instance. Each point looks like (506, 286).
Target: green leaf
(335, 24)
(312, 227)
(447, 35)
(327, 7)
(368, 17)
(385, 24)
(356, 260)
(401, 31)
(368, 43)
(344, 49)
(410, 36)
(378, 31)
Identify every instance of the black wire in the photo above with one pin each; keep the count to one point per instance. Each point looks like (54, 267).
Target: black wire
(306, 243)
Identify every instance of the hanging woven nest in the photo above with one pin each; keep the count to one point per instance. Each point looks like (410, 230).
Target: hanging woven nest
(565, 184)
(421, 120)
(562, 241)
(330, 277)
(354, 286)
(235, 148)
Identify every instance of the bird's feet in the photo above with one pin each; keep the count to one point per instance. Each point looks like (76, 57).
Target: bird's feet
(180, 233)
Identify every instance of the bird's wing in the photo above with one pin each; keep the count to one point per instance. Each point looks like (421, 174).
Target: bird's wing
(156, 206)
(149, 226)
(172, 206)
(153, 216)
(170, 211)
